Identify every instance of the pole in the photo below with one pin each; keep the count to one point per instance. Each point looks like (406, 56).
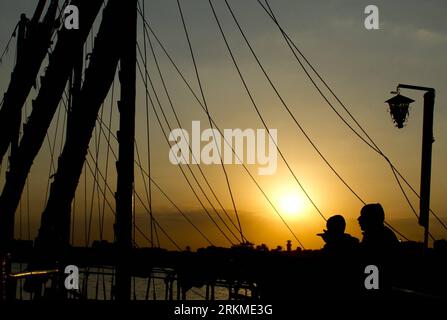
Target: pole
(126, 139)
(427, 142)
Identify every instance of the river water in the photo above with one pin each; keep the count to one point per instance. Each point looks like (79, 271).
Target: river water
(97, 283)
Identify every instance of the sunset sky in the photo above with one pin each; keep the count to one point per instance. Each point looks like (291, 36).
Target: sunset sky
(361, 66)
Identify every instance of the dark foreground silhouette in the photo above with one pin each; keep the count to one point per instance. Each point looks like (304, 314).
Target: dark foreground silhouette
(377, 267)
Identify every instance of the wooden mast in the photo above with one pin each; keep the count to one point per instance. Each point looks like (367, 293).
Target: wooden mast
(34, 38)
(114, 43)
(44, 107)
(54, 233)
(126, 139)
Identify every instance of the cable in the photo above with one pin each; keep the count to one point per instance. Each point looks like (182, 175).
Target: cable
(209, 116)
(180, 125)
(110, 190)
(409, 202)
(288, 110)
(5, 51)
(189, 146)
(52, 148)
(284, 104)
(149, 188)
(253, 101)
(138, 163)
(179, 72)
(94, 184)
(180, 168)
(372, 144)
(290, 43)
(169, 199)
(101, 229)
(395, 230)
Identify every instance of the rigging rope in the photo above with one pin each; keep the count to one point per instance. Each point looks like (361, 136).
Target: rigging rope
(96, 143)
(6, 50)
(171, 104)
(288, 110)
(191, 90)
(371, 144)
(169, 199)
(148, 188)
(285, 105)
(138, 163)
(209, 117)
(180, 167)
(110, 190)
(96, 183)
(102, 217)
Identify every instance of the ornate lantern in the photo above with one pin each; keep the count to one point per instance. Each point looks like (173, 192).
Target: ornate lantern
(399, 109)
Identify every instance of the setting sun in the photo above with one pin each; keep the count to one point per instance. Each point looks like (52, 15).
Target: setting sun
(291, 204)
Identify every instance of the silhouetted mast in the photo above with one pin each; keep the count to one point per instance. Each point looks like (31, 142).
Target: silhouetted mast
(33, 41)
(53, 84)
(17, 112)
(126, 139)
(55, 227)
(39, 10)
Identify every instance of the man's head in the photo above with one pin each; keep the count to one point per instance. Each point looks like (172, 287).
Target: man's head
(371, 216)
(336, 224)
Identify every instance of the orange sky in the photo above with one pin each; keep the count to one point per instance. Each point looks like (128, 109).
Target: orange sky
(361, 66)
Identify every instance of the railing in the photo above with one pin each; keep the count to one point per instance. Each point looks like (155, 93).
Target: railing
(4, 271)
(48, 284)
(10, 280)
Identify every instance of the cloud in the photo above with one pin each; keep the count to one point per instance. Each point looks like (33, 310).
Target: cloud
(420, 35)
(346, 23)
(430, 37)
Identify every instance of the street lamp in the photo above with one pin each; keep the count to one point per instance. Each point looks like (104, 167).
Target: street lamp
(399, 109)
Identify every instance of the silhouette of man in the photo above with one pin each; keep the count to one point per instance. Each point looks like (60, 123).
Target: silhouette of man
(379, 243)
(337, 261)
(377, 238)
(335, 237)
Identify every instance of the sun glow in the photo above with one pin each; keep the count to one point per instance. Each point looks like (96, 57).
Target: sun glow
(291, 204)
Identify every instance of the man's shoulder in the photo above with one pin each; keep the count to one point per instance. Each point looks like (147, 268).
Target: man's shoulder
(351, 239)
(390, 234)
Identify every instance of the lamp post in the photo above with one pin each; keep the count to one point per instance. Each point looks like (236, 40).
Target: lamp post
(399, 109)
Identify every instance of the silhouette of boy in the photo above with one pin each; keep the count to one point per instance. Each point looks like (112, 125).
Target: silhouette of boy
(335, 237)
(377, 238)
